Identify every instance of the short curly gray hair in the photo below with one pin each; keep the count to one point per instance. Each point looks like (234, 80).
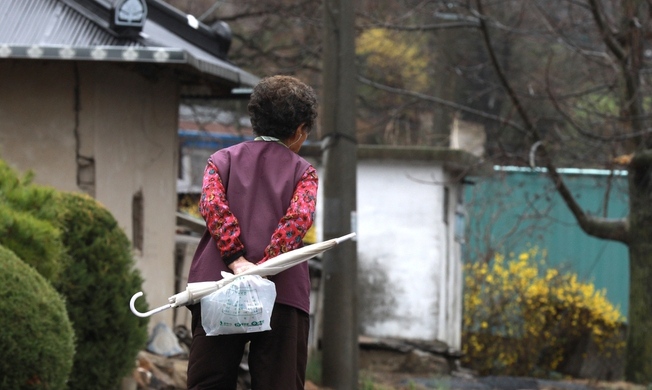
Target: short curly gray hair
(280, 104)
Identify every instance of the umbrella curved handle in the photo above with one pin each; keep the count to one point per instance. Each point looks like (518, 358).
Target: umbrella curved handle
(132, 305)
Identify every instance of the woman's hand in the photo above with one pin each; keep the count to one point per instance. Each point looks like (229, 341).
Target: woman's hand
(241, 265)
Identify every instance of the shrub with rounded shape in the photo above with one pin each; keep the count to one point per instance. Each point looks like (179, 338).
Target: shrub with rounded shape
(36, 337)
(524, 321)
(97, 285)
(28, 223)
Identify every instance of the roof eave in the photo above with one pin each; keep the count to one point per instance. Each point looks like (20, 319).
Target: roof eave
(169, 38)
(154, 55)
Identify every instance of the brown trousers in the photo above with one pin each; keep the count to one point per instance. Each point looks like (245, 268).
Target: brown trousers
(277, 358)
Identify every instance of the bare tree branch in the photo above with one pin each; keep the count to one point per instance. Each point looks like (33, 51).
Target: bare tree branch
(423, 27)
(607, 35)
(629, 57)
(565, 41)
(272, 9)
(584, 132)
(603, 228)
(443, 102)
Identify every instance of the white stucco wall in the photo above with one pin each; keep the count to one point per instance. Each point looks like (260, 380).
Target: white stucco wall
(37, 121)
(401, 235)
(126, 122)
(409, 263)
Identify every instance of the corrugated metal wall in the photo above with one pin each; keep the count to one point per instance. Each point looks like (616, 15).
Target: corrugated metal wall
(516, 209)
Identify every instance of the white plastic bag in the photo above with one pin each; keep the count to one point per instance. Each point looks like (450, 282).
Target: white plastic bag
(243, 306)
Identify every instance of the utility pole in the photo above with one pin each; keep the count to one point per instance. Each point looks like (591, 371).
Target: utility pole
(340, 266)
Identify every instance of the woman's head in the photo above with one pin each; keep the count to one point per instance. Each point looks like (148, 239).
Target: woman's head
(280, 104)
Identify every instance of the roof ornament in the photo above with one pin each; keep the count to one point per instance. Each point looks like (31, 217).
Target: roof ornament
(129, 16)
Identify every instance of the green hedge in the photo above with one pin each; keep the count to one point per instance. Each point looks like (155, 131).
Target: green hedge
(28, 223)
(77, 245)
(36, 337)
(98, 285)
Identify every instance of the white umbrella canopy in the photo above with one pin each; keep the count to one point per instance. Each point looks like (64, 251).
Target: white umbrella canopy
(195, 291)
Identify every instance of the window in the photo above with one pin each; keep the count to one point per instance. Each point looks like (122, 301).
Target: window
(446, 203)
(137, 221)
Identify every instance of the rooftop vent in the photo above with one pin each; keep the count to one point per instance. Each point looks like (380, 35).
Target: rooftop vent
(129, 17)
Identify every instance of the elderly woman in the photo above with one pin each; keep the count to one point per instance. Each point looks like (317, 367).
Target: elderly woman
(258, 201)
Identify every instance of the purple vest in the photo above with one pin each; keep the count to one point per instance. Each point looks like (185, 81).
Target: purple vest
(259, 178)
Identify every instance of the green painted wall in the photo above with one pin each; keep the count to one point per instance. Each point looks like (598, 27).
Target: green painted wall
(516, 209)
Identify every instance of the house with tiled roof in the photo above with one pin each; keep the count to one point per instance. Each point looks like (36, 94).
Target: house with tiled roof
(89, 102)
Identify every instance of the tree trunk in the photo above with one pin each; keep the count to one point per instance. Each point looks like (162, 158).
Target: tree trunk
(639, 338)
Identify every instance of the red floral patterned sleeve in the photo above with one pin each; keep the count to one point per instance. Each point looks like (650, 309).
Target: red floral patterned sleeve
(220, 221)
(297, 219)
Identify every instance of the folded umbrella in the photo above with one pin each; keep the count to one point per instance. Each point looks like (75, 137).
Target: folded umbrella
(195, 291)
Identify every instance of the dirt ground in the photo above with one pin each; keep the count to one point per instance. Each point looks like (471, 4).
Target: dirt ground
(405, 381)
(390, 369)
(381, 370)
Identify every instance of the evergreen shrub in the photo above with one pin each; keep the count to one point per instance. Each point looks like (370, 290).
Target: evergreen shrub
(28, 223)
(98, 285)
(77, 245)
(521, 320)
(36, 336)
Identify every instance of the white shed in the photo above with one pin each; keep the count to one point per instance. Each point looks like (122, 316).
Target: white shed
(410, 220)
